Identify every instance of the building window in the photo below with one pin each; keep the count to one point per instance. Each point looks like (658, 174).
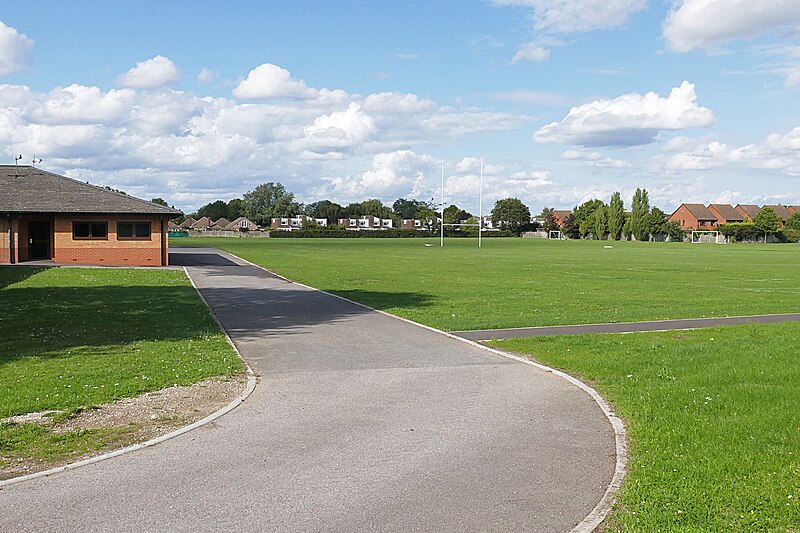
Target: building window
(133, 230)
(702, 222)
(90, 230)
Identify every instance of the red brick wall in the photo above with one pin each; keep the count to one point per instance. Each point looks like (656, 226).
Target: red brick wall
(685, 218)
(110, 251)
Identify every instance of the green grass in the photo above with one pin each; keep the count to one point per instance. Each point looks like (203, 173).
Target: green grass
(532, 282)
(713, 419)
(74, 338)
(34, 441)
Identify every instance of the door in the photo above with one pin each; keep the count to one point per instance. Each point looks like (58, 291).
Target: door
(39, 240)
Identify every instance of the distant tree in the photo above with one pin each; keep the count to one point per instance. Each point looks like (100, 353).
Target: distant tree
(599, 222)
(268, 201)
(674, 231)
(570, 229)
(616, 216)
(470, 230)
(793, 222)
(455, 215)
(582, 214)
(160, 201)
(235, 209)
(215, 210)
(405, 209)
(767, 221)
(325, 209)
(375, 208)
(428, 215)
(656, 222)
(640, 208)
(511, 214)
(549, 216)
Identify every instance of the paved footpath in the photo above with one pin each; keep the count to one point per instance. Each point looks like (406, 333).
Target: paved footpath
(361, 422)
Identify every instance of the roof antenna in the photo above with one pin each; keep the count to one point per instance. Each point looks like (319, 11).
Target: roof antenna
(16, 160)
(35, 160)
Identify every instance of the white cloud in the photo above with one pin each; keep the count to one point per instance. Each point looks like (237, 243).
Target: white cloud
(569, 16)
(706, 23)
(337, 132)
(532, 180)
(531, 52)
(78, 104)
(628, 120)
(594, 159)
(15, 50)
(150, 74)
(271, 81)
(206, 76)
(473, 165)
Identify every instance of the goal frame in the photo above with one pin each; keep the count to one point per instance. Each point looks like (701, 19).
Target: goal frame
(717, 236)
(555, 234)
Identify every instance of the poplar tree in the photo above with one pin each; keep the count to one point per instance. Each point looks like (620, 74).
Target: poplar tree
(616, 216)
(640, 208)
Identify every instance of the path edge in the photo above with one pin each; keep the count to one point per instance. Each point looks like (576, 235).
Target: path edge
(249, 388)
(604, 507)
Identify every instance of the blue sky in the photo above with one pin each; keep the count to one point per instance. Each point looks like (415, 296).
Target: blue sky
(697, 100)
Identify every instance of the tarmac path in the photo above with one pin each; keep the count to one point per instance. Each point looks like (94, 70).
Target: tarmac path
(624, 327)
(360, 422)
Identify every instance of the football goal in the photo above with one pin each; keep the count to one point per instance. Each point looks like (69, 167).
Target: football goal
(707, 236)
(554, 234)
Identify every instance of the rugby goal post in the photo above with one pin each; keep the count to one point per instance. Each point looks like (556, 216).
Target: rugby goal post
(707, 236)
(554, 234)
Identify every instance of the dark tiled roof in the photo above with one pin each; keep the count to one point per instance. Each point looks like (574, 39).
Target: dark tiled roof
(752, 211)
(203, 222)
(27, 189)
(781, 210)
(700, 212)
(563, 213)
(187, 223)
(728, 212)
(222, 222)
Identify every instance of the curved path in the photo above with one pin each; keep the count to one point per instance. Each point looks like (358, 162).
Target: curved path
(361, 422)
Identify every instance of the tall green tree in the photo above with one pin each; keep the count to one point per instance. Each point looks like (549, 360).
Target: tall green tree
(235, 209)
(511, 214)
(656, 222)
(616, 216)
(767, 221)
(406, 209)
(599, 222)
(548, 214)
(214, 210)
(640, 208)
(582, 215)
(375, 208)
(455, 215)
(267, 201)
(793, 222)
(325, 209)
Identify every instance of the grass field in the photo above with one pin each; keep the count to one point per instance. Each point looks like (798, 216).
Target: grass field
(531, 282)
(74, 338)
(713, 418)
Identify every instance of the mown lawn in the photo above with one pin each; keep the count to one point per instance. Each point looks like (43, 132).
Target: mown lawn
(532, 282)
(713, 419)
(75, 338)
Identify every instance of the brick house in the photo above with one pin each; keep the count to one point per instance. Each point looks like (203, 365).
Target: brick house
(366, 222)
(45, 216)
(242, 224)
(694, 217)
(782, 211)
(726, 214)
(560, 217)
(295, 223)
(749, 212)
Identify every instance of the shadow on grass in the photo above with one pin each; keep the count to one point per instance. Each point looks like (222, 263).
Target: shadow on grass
(11, 274)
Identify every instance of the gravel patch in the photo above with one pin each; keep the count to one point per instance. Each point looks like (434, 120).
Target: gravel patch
(145, 417)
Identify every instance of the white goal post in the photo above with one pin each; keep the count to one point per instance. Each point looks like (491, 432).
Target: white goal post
(554, 234)
(707, 236)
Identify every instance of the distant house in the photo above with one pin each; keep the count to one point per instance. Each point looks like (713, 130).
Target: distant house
(488, 223)
(726, 214)
(412, 223)
(749, 212)
(694, 217)
(782, 211)
(241, 224)
(171, 226)
(187, 223)
(45, 216)
(366, 222)
(203, 224)
(296, 222)
(220, 224)
(560, 217)
(794, 208)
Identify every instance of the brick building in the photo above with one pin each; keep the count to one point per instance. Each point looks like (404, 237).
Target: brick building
(694, 217)
(45, 216)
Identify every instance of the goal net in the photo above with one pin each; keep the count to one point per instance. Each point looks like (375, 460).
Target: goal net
(554, 234)
(707, 236)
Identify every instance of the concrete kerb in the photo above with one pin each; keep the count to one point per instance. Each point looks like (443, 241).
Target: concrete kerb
(606, 503)
(249, 388)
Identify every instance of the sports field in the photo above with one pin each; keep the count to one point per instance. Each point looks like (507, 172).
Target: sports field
(713, 415)
(532, 282)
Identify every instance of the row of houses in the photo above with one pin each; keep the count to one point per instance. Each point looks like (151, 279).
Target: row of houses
(701, 217)
(222, 224)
